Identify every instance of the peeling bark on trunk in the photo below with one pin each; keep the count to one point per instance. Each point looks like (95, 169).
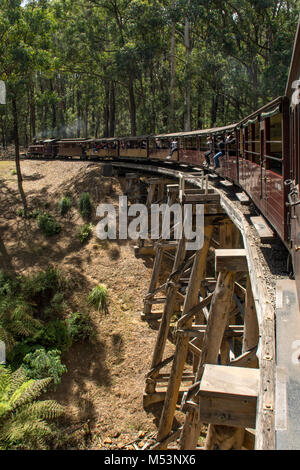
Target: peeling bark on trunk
(17, 151)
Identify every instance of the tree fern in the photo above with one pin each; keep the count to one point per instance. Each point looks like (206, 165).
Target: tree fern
(24, 420)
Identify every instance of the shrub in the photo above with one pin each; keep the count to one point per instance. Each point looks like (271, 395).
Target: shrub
(56, 307)
(8, 284)
(54, 334)
(20, 212)
(41, 364)
(79, 326)
(85, 206)
(13, 172)
(85, 232)
(48, 225)
(41, 285)
(98, 297)
(35, 213)
(64, 205)
(20, 350)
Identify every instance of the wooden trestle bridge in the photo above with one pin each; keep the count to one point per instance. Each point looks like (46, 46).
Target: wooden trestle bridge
(227, 373)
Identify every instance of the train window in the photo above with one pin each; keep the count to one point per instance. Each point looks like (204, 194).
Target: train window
(231, 147)
(247, 142)
(257, 139)
(252, 142)
(203, 144)
(241, 142)
(190, 143)
(274, 165)
(274, 143)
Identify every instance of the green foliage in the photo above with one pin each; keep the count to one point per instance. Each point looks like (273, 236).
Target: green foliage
(48, 225)
(42, 285)
(64, 205)
(31, 308)
(98, 297)
(85, 232)
(71, 70)
(20, 212)
(85, 206)
(79, 326)
(16, 314)
(41, 364)
(54, 334)
(35, 213)
(14, 172)
(24, 420)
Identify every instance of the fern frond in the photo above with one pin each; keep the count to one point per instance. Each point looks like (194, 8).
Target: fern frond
(45, 409)
(28, 392)
(25, 434)
(18, 377)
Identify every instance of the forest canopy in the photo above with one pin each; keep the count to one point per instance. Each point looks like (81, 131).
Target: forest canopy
(98, 68)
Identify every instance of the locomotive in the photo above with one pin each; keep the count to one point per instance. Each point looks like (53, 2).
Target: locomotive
(262, 158)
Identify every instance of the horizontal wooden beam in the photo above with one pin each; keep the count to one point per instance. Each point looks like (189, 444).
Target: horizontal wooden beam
(230, 260)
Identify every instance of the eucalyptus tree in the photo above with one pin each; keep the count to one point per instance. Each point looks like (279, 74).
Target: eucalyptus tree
(24, 50)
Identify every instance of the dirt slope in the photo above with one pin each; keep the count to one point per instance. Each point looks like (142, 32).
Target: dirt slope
(103, 388)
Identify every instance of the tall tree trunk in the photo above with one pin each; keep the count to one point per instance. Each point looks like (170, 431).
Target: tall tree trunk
(214, 109)
(106, 111)
(3, 133)
(62, 107)
(97, 126)
(132, 108)
(199, 109)
(78, 114)
(187, 43)
(86, 126)
(54, 117)
(153, 108)
(112, 110)
(32, 111)
(172, 78)
(17, 152)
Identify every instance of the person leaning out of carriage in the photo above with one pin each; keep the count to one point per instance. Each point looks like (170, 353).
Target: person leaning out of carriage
(209, 152)
(220, 153)
(174, 147)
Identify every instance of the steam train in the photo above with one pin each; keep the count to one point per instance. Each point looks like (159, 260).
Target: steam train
(263, 158)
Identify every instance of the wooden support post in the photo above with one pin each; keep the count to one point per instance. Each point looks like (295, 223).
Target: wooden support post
(154, 277)
(217, 321)
(182, 343)
(235, 436)
(168, 312)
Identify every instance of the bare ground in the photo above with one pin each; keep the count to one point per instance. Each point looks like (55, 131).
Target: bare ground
(103, 388)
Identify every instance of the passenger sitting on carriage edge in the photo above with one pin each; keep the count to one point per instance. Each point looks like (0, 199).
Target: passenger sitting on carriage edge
(173, 148)
(221, 147)
(209, 151)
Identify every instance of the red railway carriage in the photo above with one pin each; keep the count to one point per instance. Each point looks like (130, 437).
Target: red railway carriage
(133, 147)
(160, 147)
(230, 161)
(264, 161)
(103, 148)
(193, 145)
(72, 147)
(293, 93)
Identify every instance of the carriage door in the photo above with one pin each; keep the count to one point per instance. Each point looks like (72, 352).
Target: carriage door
(263, 178)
